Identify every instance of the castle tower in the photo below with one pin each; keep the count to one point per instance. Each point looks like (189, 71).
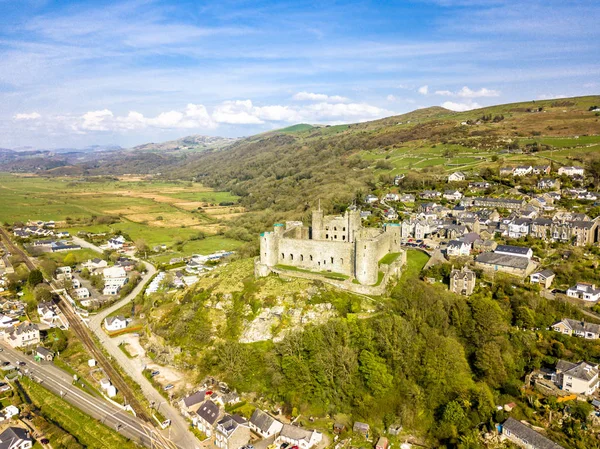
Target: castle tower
(354, 224)
(317, 228)
(366, 261)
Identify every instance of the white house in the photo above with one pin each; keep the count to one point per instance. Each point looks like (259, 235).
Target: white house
(116, 242)
(371, 199)
(111, 290)
(115, 323)
(93, 264)
(456, 176)
(81, 293)
(453, 195)
(16, 438)
(24, 334)
(458, 248)
(206, 417)
(264, 424)
(297, 436)
(571, 171)
(519, 227)
(579, 378)
(115, 272)
(391, 197)
(9, 412)
(587, 292)
(523, 170)
(578, 328)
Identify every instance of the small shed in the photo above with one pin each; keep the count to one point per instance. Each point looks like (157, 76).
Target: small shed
(382, 443)
(338, 427)
(42, 353)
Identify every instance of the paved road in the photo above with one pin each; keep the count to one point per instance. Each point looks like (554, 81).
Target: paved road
(179, 429)
(60, 383)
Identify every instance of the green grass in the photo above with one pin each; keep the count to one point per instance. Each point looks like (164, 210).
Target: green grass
(296, 128)
(325, 274)
(415, 261)
(205, 246)
(81, 255)
(88, 431)
(389, 258)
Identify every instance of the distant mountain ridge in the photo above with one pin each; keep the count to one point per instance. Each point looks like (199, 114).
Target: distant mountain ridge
(191, 143)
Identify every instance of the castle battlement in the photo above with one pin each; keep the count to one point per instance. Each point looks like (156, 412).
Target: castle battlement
(334, 243)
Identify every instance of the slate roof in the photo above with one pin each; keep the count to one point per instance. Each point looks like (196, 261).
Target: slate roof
(11, 436)
(504, 260)
(535, 439)
(296, 433)
(581, 370)
(581, 326)
(209, 412)
(195, 398)
(516, 250)
(546, 273)
(262, 420)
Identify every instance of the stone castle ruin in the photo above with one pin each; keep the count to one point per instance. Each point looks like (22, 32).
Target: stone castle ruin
(336, 244)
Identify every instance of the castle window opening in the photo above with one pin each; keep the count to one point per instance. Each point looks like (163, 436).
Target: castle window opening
(310, 257)
(291, 257)
(302, 257)
(344, 228)
(332, 260)
(344, 237)
(283, 256)
(326, 236)
(335, 228)
(342, 261)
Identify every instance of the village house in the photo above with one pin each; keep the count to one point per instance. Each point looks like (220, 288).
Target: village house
(47, 313)
(525, 436)
(541, 228)
(571, 171)
(506, 171)
(382, 443)
(585, 291)
(430, 194)
(191, 403)
(15, 438)
(95, 263)
(548, 184)
(578, 378)
(523, 170)
(501, 203)
(458, 248)
(297, 436)
(391, 197)
(371, 199)
(462, 282)
(264, 424)
(479, 185)
(541, 170)
(577, 328)
(544, 278)
(407, 198)
(453, 195)
(116, 242)
(81, 293)
(24, 334)
(206, 417)
(485, 245)
(511, 250)
(111, 290)
(456, 176)
(519, 227)
(232, 432)
(115, 323)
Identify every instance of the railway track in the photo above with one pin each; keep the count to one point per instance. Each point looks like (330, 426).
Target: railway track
(84, 336)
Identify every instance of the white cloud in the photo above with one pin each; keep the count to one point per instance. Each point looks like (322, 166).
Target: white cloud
(96, 120)
(466, 92)
(237, 112)
(309, 96)
(424, 90)
(27, 116)
(391, 98)
(460, 107)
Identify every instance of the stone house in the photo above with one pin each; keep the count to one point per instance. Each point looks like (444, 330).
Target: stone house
(462, 282)
(504, 203)
(578, 378)
(505, 263)
(232, 432)
(544, 278)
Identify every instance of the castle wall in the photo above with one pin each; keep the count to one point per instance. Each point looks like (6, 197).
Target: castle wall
(317, 255)
(370, 251)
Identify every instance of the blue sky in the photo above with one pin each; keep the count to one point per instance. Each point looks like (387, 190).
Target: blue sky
(129, 72)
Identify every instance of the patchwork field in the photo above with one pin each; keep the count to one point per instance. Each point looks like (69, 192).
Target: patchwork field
(158, 212)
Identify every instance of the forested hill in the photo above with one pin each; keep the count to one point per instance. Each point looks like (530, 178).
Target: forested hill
(288, 169)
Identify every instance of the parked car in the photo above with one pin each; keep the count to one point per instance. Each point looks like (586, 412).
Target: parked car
(21, 363)
(284, 445)
(168, 387)
(154, 373)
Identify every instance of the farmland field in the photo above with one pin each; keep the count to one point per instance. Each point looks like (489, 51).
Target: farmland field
(157, 212)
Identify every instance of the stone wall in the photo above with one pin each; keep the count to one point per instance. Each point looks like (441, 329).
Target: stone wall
(317, 255)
